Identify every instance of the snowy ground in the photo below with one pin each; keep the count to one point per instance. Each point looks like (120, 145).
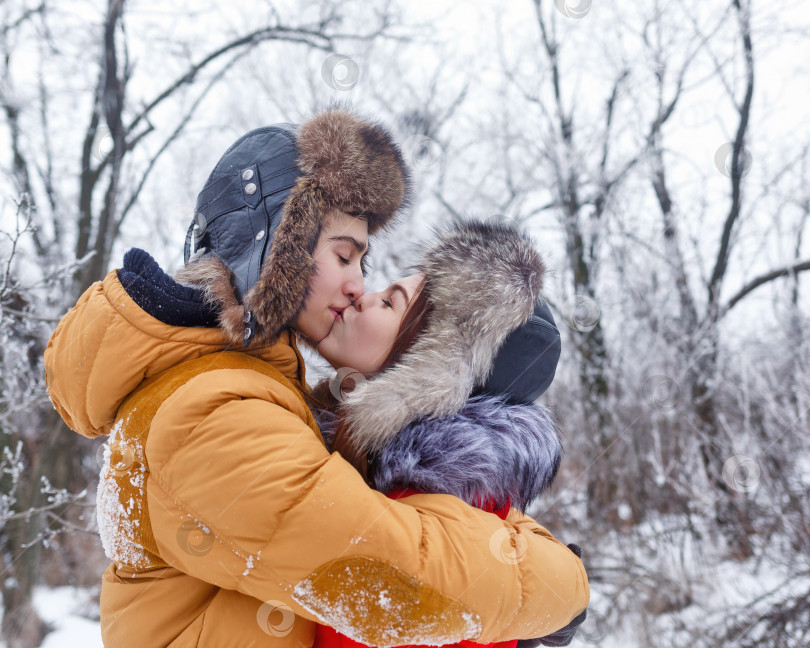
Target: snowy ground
(66, 609)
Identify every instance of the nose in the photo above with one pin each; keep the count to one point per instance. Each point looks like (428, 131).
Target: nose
(363, 301)
(353, 288)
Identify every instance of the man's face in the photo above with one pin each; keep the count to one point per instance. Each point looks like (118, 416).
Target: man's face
(338, 277)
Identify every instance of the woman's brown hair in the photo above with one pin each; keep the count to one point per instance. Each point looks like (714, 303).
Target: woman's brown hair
(413, 324)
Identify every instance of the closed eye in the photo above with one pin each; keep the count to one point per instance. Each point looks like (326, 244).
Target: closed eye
(387, 303)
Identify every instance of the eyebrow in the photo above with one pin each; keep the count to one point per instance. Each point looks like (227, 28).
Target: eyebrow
(401, 288)
(350, 239)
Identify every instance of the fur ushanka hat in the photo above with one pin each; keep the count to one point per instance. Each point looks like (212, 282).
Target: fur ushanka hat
(484, 282)
(258, 218)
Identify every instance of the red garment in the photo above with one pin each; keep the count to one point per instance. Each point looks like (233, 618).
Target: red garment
(326, 637)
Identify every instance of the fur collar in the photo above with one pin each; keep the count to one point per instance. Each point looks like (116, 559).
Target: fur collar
(483, 281)
(489, 449)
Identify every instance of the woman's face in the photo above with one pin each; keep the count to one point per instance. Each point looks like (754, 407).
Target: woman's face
(364, 333)
(338, 277)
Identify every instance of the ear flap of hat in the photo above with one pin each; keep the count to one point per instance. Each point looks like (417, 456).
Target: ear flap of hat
(280, 294)
(281, 291)
(484, 281)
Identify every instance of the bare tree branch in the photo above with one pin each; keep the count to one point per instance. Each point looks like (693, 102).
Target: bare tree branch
(762, 280)
(171, 138)
(113, 98)
(88, 175)
(26, 15)
(737, 161)
(309, 37)
(46, 174)
(23, 207)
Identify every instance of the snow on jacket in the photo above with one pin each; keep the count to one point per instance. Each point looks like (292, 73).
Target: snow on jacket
(228, 522)
(490, 454)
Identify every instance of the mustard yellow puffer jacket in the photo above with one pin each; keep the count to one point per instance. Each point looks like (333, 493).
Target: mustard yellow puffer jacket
(229, 524)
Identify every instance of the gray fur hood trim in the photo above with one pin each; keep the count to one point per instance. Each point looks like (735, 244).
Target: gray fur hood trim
(489, 449)
(484, 281)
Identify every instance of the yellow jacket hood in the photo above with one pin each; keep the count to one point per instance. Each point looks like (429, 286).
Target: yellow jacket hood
(107, 345)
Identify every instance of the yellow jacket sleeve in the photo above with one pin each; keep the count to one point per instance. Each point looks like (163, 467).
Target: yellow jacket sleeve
(282, 520)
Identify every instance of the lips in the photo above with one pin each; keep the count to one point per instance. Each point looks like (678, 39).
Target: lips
(337, 316)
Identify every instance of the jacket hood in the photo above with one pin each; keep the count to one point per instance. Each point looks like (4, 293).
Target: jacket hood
(483, 282)
(490, 448)
(133, 325)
